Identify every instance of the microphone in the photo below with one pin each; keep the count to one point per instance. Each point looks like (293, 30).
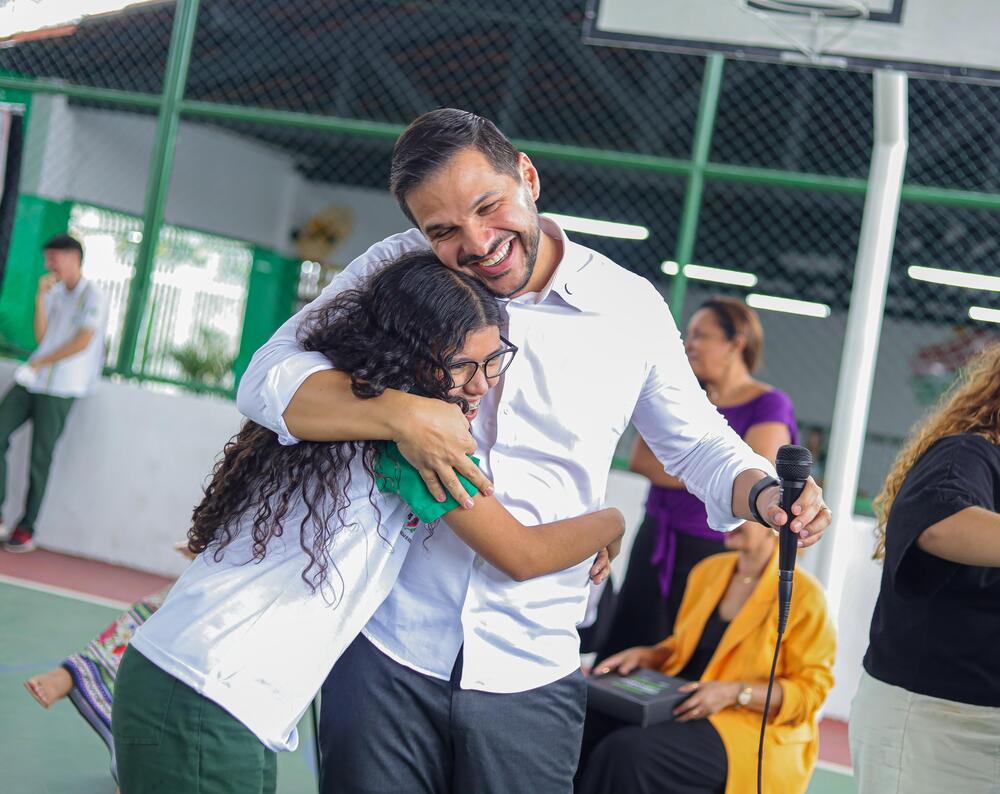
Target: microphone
(793, 465)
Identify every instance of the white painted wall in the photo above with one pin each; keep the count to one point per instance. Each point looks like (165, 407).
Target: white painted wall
(860, 585)
(126, 475)
(376, 214)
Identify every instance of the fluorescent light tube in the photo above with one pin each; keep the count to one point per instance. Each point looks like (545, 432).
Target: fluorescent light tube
(954, 278)
(789, 305)
(985, 315)
(626, 231)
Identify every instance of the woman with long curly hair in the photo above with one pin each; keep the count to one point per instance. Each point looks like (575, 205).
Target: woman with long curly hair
(926, 716)
(299, 544)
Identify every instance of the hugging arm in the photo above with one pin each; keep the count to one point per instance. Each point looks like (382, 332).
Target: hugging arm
(524, 552)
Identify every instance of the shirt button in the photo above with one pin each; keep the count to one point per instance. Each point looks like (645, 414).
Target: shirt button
(477, 563)
(506, 411)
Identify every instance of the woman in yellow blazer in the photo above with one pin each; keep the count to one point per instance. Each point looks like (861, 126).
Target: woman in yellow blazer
(724, 642)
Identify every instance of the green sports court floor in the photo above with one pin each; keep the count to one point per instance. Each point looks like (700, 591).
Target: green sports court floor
(55, 752)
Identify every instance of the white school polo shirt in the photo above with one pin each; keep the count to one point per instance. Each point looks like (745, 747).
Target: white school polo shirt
(69, 312)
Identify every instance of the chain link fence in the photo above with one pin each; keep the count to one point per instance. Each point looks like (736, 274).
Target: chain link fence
(287, 123)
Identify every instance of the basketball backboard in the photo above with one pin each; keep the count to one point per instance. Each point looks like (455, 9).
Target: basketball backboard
(944, 38)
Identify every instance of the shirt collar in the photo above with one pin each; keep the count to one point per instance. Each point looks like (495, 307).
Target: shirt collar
(571, 280)
(79, 289)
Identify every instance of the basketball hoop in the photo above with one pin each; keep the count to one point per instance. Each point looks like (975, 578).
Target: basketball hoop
(843, 10)
(810, 27)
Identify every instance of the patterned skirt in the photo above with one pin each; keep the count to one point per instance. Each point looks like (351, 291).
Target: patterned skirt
(94, 669)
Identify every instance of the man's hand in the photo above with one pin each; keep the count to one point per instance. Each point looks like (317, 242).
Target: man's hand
(626, 661)
(436, 440)
(810, 514)
(45, 285)
(710, 697)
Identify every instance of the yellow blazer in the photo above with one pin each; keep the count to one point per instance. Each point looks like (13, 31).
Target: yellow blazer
(805, 666)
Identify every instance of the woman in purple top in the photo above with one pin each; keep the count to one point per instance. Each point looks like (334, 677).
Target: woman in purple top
(725, 344)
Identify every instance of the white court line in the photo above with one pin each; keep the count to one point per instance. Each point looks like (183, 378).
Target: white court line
(839, 769)
(76, 595)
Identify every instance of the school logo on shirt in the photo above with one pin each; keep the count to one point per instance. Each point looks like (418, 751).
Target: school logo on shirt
(409, 527)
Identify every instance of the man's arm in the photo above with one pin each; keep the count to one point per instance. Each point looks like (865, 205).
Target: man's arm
(643, 461)
(298, 395)
(75, 345)
(694, 443)
(426, 430)
(41, 323)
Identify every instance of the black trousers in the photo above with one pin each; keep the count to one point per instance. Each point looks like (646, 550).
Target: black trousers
(668, 758)
(386, 729)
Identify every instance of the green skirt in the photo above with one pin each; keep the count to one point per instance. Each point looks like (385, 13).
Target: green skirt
(169, 739)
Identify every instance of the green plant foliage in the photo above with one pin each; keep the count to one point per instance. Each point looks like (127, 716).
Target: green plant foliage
(205, 359)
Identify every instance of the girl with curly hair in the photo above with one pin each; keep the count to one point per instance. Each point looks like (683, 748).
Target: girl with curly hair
(299, 544)
(926, 715)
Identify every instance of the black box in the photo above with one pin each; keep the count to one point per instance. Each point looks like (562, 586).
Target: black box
(643, 697)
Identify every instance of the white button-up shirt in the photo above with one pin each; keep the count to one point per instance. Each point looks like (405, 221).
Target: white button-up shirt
(598, 347)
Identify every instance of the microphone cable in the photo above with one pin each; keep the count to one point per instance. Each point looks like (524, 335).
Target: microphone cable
(793, 464)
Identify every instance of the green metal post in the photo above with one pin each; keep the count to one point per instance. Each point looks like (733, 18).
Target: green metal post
(711, 86)
(158, 181)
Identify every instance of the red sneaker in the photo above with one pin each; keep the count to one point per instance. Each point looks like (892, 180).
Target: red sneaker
(20, 542)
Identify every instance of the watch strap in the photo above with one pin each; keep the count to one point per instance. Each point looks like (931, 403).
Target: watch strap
(760, 485)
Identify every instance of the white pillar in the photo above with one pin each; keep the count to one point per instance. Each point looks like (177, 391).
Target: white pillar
(864, 325)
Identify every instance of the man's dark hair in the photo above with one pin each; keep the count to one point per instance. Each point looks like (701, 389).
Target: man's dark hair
(64, 242)
(434, 138)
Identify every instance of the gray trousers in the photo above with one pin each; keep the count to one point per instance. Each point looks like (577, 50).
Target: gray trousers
(385, 728)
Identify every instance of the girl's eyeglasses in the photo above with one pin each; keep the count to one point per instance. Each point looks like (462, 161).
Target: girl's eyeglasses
(493, 367)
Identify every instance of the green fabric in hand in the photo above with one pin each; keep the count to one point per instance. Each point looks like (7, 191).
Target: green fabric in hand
(395, 474)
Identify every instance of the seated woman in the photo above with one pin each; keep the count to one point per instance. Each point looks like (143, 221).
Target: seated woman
(723, 643)
(926, 716)
(298, 545)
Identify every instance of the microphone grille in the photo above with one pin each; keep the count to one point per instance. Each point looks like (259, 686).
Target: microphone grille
(793, 462)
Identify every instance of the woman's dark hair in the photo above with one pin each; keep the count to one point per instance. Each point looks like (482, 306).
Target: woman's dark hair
(398, 330)
(735, 318)
(434, 138)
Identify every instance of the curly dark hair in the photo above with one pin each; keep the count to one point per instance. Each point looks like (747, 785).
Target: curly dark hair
(399, 330)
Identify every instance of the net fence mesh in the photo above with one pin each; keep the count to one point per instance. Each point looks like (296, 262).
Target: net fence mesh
(630, 116)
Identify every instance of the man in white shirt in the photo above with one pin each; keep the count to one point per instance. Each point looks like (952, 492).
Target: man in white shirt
(70, 316)
(464, 680)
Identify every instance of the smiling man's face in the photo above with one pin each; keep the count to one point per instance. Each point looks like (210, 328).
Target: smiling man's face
(480, 221)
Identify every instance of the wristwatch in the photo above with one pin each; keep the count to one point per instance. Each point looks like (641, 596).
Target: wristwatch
(762, 484)
(745, 696)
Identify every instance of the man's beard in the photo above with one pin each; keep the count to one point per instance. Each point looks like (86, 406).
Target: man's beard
(530, 245)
